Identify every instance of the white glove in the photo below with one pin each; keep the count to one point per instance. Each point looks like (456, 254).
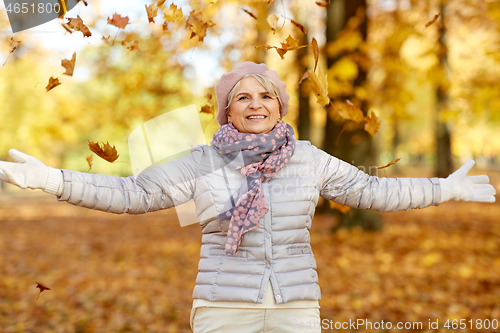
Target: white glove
(459, 186)
(31, 173)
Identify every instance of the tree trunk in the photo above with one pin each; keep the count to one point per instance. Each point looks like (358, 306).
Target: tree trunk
(356, 146)
(444, 164)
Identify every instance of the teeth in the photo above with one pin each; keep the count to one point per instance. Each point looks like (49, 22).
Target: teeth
(256, 117)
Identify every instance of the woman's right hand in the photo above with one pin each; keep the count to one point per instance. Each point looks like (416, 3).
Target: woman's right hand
(29, 172)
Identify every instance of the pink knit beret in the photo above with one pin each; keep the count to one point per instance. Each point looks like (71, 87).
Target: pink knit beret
(227, 82)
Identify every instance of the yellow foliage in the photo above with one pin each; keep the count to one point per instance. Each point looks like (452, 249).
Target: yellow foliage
(319, 85)
(347, 41)
(344, 69)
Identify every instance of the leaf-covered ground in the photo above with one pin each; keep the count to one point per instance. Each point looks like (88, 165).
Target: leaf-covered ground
(122, 273)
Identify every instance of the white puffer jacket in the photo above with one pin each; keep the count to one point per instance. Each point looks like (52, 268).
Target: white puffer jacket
(279, 249)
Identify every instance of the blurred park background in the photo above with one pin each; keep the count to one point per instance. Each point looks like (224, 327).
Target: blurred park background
(428, 70)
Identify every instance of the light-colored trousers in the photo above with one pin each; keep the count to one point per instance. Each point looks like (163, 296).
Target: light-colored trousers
(232, 320)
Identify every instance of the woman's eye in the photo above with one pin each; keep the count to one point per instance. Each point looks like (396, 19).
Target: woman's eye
(267, 97)
(242, 98)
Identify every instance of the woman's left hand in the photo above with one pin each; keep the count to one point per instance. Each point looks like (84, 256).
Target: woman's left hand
(459, 186)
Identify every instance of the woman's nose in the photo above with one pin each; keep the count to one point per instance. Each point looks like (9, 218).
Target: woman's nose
(255, 103)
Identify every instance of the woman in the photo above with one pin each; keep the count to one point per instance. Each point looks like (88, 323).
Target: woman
(257, 272)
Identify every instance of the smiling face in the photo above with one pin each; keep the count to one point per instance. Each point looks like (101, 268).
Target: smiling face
(253, 109)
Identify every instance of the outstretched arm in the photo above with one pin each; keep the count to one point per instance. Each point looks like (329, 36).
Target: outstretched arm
(159, 188)
(345, 184)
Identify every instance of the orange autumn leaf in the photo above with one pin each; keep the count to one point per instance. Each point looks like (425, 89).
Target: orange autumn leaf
(118, 21)
(323, 4)
(62, 8)
(76, 24)
(319, 85)
(315, 50)
(69, 65)
(289, 44)
(90, 160)
(197, 25)
(52, 83)
(42, 288)
(152, 11)
(433, 20)
(304, 76)
(209, 107)
(105, 152)
(249, 13)
(300, 26)
(349, 111)
(14, 44)
(372, 124)
(342, 208)
(173, 14)
(389, 164)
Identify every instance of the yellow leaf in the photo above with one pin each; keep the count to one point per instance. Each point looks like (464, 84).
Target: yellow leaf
(272, 20)
(388, 164)
(69, 65)
(372, 124)
(173, 14)
(152, 11)
(349, 111)
(289, 44)
(319, 85)
(90, 160)
(315, 50)
(52, 83)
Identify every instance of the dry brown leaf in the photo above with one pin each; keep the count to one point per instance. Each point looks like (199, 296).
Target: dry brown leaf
(323, 4)
(84, 2)
(69, 65)
(52, 83)
(67, 27)
(118, 21)
(77, 25)
(160, 2)
(165, 26)
(14, 44)
(372, 124)
(105, 152)
(389, 164)
(133, 45)
(319, 85)
(349, 111)
(108, 41)
(289, 44)
(152, 11)
(315, 50)
(90, 161)
(250, 13)
(173, 14)
(197, 25)
(342, 208)
(42, 288)
(62, 8)
(272, 20)
(433, 20)
(209, 107)
(300, 26)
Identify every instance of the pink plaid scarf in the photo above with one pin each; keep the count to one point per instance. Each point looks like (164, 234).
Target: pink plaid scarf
(262, 155)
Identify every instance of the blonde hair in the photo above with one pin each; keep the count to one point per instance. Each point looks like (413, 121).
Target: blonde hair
(266, 82)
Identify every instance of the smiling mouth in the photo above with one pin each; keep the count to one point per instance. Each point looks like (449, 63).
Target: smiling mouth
(256, 117)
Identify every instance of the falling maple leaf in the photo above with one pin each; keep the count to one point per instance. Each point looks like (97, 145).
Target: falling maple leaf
(133, 45)
(272, 20)
(349, 111)
(372, 124)
(433, 20)
(315, 50)
(105, 152)
(389, 164)
(173, 14)
(118, 21)
(42, 288)
(90, 161)
(165, 26)
(197, 25)
(62, 8)
(14, 44)
(323, 4)
(69, 65)
(52, 83)
(209, 107)
(319, 85)
(160, 3)
(342, 208)
(152, 11)
(250, 13)
(304, 76)
(289, 44)
(300, 26)
(77, 25)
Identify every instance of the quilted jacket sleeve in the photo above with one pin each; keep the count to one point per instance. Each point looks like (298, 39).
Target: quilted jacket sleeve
(345, 184)
(162, 187)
